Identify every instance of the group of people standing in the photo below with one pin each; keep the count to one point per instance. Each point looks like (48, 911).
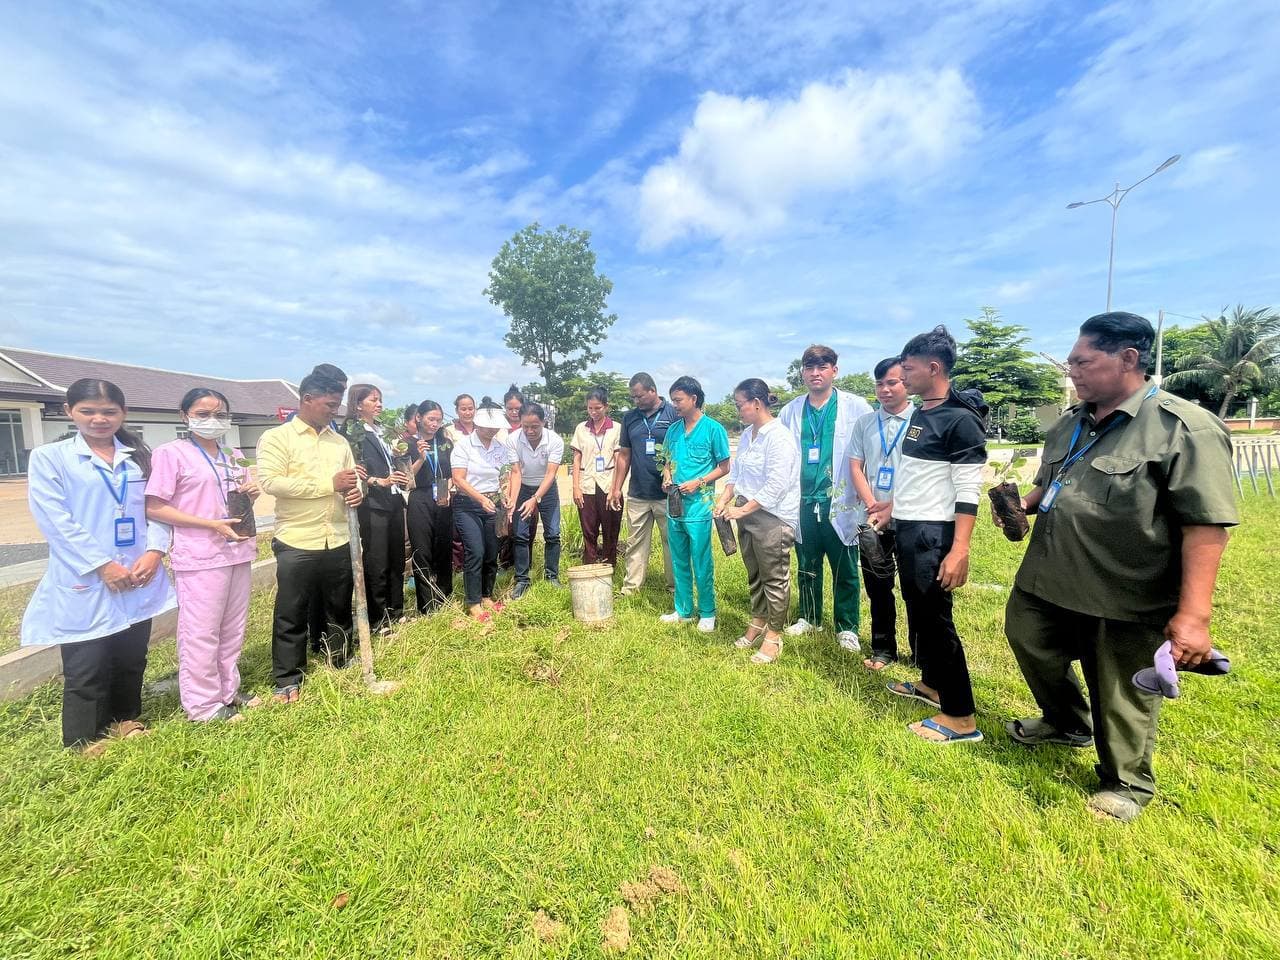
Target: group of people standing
(1132, 501)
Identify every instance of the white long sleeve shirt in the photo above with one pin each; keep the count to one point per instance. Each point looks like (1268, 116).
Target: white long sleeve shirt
(767, 470)
(72, 495)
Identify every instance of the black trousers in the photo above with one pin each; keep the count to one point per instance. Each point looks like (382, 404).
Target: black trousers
(302, 575)
(431, 534)
(921, 545)
(884, 612)
(479, 538)
(382, 543)
(102, 683)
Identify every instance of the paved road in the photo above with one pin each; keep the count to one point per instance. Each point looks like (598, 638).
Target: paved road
(11, 553)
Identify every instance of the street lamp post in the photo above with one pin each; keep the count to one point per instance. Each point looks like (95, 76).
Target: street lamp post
(1114, 198)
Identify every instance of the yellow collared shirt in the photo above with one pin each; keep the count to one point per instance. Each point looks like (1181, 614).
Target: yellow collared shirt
(296, 465)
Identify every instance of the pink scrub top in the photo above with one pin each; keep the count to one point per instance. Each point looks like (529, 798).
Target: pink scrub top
(186, 480)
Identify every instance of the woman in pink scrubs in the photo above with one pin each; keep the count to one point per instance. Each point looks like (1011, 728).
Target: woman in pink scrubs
(211, 561)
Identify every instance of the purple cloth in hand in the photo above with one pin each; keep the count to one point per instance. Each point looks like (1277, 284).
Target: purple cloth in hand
(1162, 677)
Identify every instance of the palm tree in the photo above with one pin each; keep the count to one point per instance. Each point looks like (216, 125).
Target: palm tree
(1241, 352)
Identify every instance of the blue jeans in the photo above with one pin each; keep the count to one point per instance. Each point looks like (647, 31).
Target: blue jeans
(549, 511)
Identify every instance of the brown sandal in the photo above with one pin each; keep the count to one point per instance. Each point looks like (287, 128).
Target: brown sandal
(126, 729)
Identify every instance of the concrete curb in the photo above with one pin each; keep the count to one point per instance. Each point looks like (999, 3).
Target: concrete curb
(28, 667)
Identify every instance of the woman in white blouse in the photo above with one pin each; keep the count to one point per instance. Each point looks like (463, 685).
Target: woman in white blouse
(105, 581)
(478, 460)
(763, 495)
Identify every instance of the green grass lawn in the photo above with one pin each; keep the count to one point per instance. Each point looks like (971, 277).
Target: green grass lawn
(543, 765)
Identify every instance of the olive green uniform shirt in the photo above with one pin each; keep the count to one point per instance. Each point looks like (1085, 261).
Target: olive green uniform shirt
(1111, 544)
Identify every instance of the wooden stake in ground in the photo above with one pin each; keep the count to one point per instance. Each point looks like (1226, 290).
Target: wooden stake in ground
(362, 610)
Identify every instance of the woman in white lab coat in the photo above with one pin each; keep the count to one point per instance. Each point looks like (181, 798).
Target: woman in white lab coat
(105, 580)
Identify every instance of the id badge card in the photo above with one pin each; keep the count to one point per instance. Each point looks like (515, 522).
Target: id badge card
(599, 464)
(650, 446)
(434, 491)
(815, 454)
(1050, 495)
(884, 478)
(125, 535)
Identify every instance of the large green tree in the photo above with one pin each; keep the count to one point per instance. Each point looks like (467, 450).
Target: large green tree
(861, 384)
(1240, 356)
(546, 283)
(995, 360)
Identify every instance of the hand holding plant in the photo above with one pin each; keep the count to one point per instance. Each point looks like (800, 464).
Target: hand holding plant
(1007, 509)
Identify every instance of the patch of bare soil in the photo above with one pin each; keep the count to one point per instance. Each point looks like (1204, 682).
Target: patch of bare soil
(545, 927)
(641, 895)
(615, 931)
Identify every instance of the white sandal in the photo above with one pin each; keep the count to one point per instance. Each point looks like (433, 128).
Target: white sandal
(746, 641)
(762, 658)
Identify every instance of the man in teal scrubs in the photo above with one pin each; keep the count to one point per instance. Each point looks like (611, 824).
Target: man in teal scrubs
(699, 448)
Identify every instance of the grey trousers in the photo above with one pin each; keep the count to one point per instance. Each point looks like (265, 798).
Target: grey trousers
(642, 517)
(1046, 639)
(765, 543)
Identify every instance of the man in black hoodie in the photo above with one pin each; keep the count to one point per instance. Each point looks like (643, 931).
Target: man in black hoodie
(935, 503)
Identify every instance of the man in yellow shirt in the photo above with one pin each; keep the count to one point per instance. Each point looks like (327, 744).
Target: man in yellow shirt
(307, 466)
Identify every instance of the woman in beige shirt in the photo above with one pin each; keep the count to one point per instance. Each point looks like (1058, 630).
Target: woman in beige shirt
(595, 442)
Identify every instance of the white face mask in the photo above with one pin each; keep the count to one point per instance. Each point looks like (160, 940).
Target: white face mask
(209, 428)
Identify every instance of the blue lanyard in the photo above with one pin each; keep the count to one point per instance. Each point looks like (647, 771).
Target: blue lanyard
(433, 458)
(888, 451)
(218, 480)
(1073, 458)
(119, 496)
(645, 420)
(822, 420)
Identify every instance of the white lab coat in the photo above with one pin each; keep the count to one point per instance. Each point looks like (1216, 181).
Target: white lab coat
(846, 510)
(76, 512)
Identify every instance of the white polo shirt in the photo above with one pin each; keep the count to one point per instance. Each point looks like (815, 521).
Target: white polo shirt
(534, 461)
(481, 463)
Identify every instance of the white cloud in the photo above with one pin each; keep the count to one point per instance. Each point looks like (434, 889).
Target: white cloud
(743, 162)
(379, 381)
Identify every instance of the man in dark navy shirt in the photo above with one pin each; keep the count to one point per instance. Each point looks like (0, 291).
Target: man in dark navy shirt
(644, 428)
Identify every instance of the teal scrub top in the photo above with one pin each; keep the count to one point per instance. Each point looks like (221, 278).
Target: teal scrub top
(820, 425)
(696, 455)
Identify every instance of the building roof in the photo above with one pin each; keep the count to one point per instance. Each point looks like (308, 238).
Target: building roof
(145, 388)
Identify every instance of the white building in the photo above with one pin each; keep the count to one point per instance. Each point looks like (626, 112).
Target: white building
(33, 386)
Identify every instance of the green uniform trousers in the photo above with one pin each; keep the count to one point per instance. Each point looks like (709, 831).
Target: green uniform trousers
(691, 561)
(1046, 639)
(819, 540)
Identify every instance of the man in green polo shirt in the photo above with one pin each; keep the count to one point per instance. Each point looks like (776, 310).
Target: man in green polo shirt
(1131, 505)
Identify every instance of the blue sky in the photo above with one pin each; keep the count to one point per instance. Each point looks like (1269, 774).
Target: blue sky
(247, 189)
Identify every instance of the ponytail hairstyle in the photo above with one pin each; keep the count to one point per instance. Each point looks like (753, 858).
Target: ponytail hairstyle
(756, 389)
(513, 393)
(91, 389)
(199, 393)
(358, 393)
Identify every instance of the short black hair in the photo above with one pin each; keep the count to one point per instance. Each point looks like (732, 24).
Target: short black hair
(690, 387)
(531, 406)
(1113, 332)
(644, 380)
(938, 344)
(321, 383)
(884, 366)
(599, 395)
(817, 354)
(410, 412)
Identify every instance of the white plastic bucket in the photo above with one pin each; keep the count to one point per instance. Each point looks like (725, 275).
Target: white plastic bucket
(591, 588)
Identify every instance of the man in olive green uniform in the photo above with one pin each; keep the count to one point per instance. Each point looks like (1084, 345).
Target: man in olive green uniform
(1131, 506)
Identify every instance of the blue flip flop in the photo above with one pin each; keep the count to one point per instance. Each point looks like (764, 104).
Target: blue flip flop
(951, 735)
(910, 692)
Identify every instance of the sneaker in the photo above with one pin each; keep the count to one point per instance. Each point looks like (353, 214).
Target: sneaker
(800, 627)
(848, 640)
(674, 617)
(707, 625)
(519, 590)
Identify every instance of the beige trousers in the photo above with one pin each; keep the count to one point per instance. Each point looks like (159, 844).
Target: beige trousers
(642, 517)
(765, 543)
